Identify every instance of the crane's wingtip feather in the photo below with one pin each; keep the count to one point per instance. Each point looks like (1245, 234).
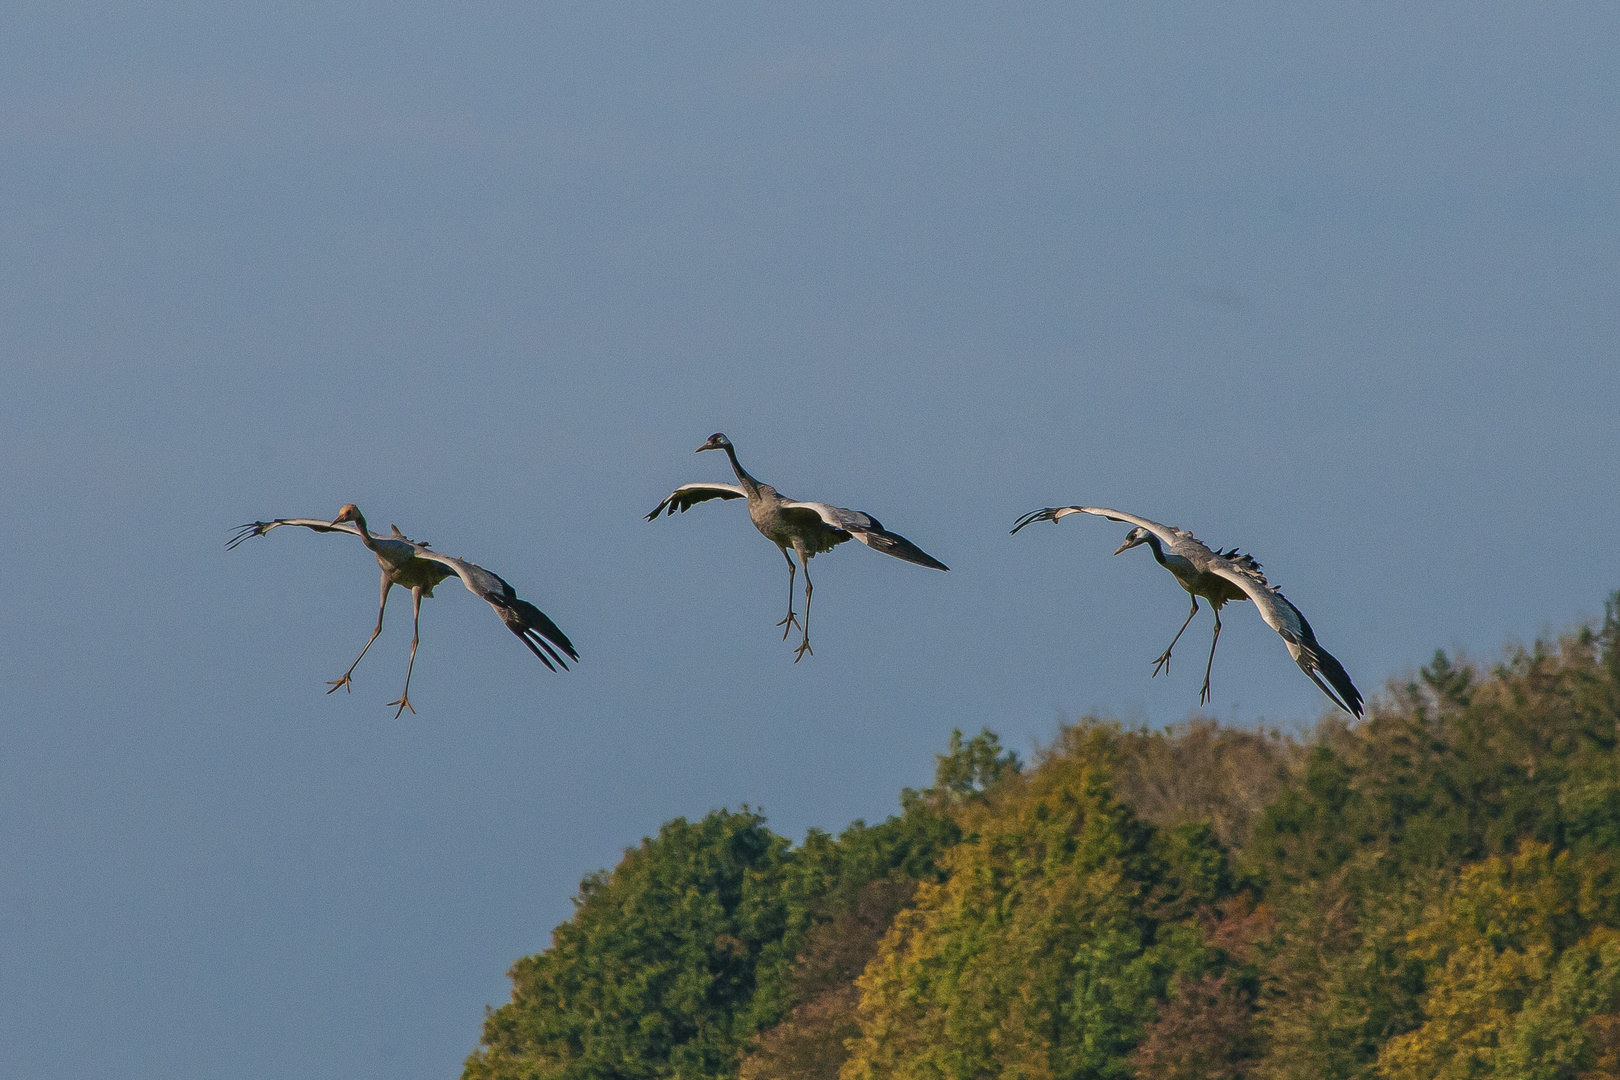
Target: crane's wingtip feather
(1045, 514)
(1337, 684)
(243, 532)
(537, 631)
(529, 643)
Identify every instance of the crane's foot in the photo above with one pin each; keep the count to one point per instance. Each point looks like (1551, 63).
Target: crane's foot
(339, 684)
(1204, 695)
(403, 703)
(804, 647)
(792, 623)
(1161, 664)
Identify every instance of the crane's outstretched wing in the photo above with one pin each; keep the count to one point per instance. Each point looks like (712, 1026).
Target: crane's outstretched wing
(690, 494)
(1169, 534)
(528, 622)
(259, 528)
(868, 530)
(1290, 624)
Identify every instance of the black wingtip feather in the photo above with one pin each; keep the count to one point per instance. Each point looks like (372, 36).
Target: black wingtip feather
(549, 651)
(1044, 514)
(538, 622)
(1338, 678)
(1347, 695)
(243, 532)
(894, 544)
(534, 648)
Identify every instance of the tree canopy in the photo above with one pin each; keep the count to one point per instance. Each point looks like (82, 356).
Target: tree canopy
(1433, 892)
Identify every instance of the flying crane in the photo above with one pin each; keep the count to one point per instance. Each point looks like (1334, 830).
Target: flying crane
(1221, 577)
(809, 528)
(411, 565)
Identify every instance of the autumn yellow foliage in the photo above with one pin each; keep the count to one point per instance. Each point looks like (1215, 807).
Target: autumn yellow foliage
(1523, 953)
(1062, 921)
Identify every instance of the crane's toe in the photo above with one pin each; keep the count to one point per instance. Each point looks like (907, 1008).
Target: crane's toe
(804, 647)
(339, 684)
(1161, 664)
(791, 622)
(403, 703)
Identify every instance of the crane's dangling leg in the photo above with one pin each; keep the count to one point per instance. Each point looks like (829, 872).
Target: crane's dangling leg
(804, 646)
(1203, 695)
(1163, 662)
(381, 607)
(792, 620)
(404, 701)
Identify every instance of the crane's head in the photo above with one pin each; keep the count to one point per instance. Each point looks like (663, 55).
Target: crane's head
(1136, 536)
(350, 512)
(717, 441)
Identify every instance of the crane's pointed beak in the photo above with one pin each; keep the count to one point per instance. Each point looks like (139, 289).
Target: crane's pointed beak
(1126, 546)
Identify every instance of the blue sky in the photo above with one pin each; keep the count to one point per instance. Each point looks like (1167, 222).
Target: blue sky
(1336, 284)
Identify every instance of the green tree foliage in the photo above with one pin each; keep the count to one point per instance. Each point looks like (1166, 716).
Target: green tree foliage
(1061, 921)
(811, 1043)
(971, 767)
(1430, 893)
(1452, 768)
(861, 881)
(710, 932)
(1523, 953)
(668, 965)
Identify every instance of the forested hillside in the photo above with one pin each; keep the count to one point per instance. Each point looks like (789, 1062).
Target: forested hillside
(1431, 893)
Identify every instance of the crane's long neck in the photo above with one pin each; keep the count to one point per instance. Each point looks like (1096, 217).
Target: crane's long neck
(1185, 572)
(365, 534)
(748, 482)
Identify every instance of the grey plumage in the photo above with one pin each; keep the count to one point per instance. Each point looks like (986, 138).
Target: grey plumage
(808, 528)
(1220, 578)
(412, 565)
